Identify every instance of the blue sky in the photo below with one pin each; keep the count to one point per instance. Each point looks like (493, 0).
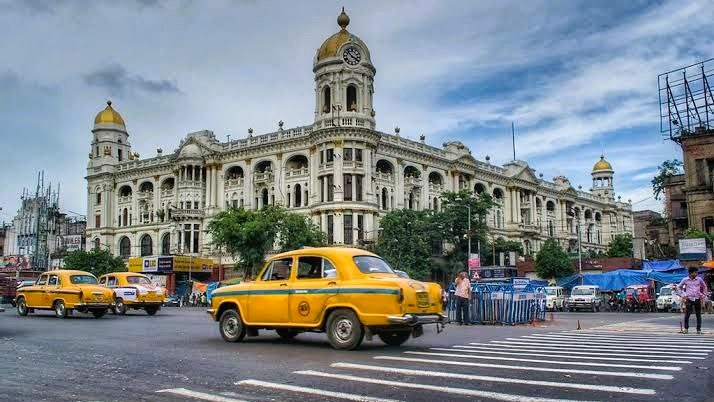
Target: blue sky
(577, 77)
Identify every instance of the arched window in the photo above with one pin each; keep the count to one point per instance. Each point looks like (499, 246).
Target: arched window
(351, 98)
(326, 100)
(124, 247)
(96, 244)
(125, 217)
(166, 244)
(384, 198)
(266, 201)
(298, 196)
(146, 245)
(436, 203)
(479, 188)
(411, 200)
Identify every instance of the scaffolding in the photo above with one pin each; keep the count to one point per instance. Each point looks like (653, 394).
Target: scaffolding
(686, 100)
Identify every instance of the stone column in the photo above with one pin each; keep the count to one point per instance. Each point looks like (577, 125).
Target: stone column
(424, 190)
(208, 187)
(337, 169)
(369, 228)
(367, 183)
(339, 229)
(314, 182)
(220, 188)
(399, 177)
(248, 190)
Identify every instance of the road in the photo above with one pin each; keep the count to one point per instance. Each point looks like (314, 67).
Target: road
(178, 355)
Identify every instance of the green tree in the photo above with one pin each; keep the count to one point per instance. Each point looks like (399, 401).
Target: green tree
(666, 170)
(552, 261)
(249, 235)
(405, 241)
(500, 245)
(692, 233)
(97, 262)
(620, 246)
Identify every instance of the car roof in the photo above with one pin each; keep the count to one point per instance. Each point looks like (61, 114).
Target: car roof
(67, 272)
(123, 273)
(327, 252)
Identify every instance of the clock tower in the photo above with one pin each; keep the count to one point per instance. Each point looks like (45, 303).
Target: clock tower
(344, 80)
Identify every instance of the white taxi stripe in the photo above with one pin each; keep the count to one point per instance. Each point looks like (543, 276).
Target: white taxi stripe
(604, 342)
(530, 368)
(485, 351)
(567, 351)
(630, 351)
(451, 390)
(313, 391)
(523, 342)
(199, 395)
(439, 374)
(566, 363)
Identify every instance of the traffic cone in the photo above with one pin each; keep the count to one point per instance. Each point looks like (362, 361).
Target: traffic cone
(579, 325)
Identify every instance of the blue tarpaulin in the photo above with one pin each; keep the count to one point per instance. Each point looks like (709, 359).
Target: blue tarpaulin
(670, 266)
(619, 279)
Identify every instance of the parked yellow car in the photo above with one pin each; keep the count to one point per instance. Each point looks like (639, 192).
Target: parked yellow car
(65, 291)
(135, 291)
(347, 293)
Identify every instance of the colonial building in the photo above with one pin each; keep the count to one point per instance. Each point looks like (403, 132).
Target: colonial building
(340, 171)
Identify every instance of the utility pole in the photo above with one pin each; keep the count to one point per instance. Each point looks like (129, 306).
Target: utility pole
(580, 255)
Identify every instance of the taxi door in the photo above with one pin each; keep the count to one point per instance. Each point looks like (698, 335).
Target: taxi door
(315, 283)
(35, 293)
(50, 290)
(269, 296)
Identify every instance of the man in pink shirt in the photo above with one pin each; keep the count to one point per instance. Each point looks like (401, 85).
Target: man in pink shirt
(463, 296)
(694, 291)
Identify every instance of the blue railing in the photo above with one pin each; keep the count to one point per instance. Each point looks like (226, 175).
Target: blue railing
(502, 304)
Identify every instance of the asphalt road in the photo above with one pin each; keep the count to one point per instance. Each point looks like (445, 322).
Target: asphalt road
(178, 355)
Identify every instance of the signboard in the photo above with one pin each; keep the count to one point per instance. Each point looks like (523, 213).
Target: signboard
(520, 283)
(12, 263)
(72, 242)
(150, 264)
(167, 264)
(474, 275)
(692, 249)
(474, 261)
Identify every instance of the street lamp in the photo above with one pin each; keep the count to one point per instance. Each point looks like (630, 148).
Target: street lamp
(468, 235)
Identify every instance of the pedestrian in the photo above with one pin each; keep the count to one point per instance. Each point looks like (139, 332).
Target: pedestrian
(463, 295)
(203, 299)
(693, 291)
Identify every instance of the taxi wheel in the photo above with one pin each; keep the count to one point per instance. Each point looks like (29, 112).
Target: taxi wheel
(231, 326)
(394, 338)
(286, 333)
(119, 307)
(344, 331)
(151, 310)
(60, 309)
(99, 313)
(21, 307)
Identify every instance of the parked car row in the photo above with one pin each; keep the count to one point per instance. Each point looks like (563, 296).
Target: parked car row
(66, 291)
(634, 298)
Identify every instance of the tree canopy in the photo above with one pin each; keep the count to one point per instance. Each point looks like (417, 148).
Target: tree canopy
(620, 246)
(666, 170)
(699, 234)
(249, 235)
(552, 261)
(405, 241)
(98, 262)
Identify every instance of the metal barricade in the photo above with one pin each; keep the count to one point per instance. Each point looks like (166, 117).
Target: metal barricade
(501, 304)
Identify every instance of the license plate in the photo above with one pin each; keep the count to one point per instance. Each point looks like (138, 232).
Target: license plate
(422, 299)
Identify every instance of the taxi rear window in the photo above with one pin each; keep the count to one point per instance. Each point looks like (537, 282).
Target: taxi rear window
(368, 264)
(80, 279)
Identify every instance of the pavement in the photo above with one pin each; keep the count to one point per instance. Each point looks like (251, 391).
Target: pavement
(178, 355)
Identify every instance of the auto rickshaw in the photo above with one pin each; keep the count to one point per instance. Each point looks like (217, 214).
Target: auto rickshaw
(640, 298)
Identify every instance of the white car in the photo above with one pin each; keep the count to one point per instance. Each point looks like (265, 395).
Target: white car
(668, 299)
(585, 297)
(555, 298)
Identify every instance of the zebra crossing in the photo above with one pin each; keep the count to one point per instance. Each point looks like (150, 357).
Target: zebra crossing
(631, 361)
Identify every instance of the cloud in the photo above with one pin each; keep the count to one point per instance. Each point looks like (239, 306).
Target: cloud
(115, 79)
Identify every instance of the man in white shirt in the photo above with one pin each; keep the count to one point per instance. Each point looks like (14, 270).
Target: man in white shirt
(463, 296)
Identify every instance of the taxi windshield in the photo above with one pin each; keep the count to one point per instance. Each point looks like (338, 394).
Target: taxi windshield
(368, 264)
(666, 292)
(83, 279)
(138, 280)
(550, 292)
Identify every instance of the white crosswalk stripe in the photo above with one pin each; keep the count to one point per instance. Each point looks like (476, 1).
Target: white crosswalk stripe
(557, 351)
(618, 359)
(530, 342)
(313, 391)
(624, 339)
(594, 342)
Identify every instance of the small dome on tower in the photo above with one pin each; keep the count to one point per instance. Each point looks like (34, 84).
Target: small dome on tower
(330, 47)
(109, 116)
(602, 164)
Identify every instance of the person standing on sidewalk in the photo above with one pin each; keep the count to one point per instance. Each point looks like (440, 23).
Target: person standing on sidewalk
(463, 295)
(693, 291)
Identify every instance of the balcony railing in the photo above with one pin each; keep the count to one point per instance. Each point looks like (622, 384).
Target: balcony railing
(294, 173)
(190, 184)
(145, 195)
(187, 213)
(124, 199)
(436, 187)
(386, 177)
(231, 184)
(412, 181)
(263, 177)
(166, 193)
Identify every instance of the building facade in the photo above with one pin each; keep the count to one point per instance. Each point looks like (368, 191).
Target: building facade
(340, 171)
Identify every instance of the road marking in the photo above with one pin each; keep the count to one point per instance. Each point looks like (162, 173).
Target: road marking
(427, 373)
(199, 395)
(492, 352)
(566, 363)
(451, 390)
(553, 350)
(628, 339)
(529, 368)
(670, 335)
(596, 351)
(594, 342)
(305, 390)
(578, 346)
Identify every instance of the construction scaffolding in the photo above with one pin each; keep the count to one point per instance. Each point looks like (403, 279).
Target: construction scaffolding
(686, 100)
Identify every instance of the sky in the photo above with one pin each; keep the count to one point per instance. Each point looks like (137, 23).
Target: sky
(578, 78)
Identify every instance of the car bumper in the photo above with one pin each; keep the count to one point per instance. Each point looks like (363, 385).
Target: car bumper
(413, 319)
(92, 305)
(581, 304)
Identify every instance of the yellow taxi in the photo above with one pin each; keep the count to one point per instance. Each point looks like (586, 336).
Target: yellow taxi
(65, 291)
(346, 292)
(135, 291)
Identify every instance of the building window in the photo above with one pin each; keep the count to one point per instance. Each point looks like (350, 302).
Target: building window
(265, 200)
(358, 155)
(347, 220)
(298, 196)
(96, 244)
(385, 198)
(124, 247)
(97, 221)
(186, 238)
(330, 229)
(166, 244)
(146, 245)
(348, 154)
(326, 100)
(330, 155)
(196, 237)
(99, 198)
(360, 227)
(358, 188)
(120, 155)
(330, 188)
(351, 98)
(348, 186)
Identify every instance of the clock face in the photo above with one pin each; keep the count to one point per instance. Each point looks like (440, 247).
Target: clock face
(351, 56)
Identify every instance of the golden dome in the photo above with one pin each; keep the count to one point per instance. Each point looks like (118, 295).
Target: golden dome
(108, 116)
(602, 164)
(332, 44)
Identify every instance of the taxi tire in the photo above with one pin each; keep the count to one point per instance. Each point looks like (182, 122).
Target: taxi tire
(22, 307)
(119, 307)
(60, 309)
(151, 310)
(99, 313)
(395, 338)
(231, 318)
(286, 334)
(344, 330)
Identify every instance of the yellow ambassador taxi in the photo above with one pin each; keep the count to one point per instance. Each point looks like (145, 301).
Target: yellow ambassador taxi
(135, 291)
(64, 291)
(347, 293)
